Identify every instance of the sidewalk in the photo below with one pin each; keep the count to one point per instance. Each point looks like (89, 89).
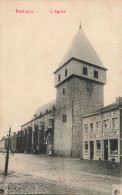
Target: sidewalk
(102, 167)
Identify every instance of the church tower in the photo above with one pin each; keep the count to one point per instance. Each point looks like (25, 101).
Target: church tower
(79, 82)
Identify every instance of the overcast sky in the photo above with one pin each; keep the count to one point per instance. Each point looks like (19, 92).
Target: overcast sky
(32, 46)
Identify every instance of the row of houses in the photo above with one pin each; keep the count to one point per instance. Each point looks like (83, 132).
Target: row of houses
(76, 124)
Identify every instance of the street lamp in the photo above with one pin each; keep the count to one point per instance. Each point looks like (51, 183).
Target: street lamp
(7, 154)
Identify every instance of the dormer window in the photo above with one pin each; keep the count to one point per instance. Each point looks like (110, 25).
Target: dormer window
(95, 74)
(59, 77)
(66, 73)
(85, 71)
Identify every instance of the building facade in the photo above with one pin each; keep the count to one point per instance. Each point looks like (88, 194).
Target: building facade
(4, 144)
(102, 133)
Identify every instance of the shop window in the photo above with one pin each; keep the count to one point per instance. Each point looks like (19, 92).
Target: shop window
(92, 127)
(95, 74)
(86, 128)
(106, 124)
(98, 145)
(115, 123)
(64, 118)
(86, 146)
(98, 126)
(113, 146)
(59, 77)
(66, 73)
(85, 71)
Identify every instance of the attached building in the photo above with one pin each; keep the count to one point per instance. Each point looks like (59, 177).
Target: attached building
(102, 133)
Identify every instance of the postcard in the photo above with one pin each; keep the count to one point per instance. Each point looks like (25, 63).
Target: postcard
(61, 97)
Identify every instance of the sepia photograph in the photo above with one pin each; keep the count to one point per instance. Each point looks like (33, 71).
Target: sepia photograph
(61, 97)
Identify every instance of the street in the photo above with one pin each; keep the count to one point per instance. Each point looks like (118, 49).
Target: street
(41, 174)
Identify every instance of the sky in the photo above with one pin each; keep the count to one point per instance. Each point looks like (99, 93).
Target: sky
(32, 46)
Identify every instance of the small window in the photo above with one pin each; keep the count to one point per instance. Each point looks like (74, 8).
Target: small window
(63, 91)
(86, 146)
(64, 118)
(98, 126)
(115, 123)
(95, 74)
(66, 73)
(98, 145)
(85, 71)
(113, 146)
(59, 77)
(86, 128)
(106, 124)
(92, 127)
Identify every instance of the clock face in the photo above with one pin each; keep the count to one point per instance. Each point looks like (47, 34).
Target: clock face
(89, 86)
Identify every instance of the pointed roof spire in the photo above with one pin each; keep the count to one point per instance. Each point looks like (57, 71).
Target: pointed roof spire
(81, 49)
(80, 25)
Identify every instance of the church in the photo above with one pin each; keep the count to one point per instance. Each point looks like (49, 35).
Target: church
(58, 127)
(79, 81)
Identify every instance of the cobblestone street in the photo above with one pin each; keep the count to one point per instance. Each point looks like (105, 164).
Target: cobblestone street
(39, 174)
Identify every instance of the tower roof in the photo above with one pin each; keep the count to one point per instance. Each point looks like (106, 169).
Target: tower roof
(81, 49)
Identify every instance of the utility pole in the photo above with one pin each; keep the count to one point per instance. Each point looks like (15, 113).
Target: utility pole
(7, 154)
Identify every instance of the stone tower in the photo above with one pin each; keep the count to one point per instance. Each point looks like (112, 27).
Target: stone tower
(79, 82)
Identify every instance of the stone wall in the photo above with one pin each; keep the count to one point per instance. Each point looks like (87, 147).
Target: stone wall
(75, 103)
(63, 130)
(84, 102)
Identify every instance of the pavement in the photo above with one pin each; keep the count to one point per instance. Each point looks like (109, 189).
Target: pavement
(41, 174)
